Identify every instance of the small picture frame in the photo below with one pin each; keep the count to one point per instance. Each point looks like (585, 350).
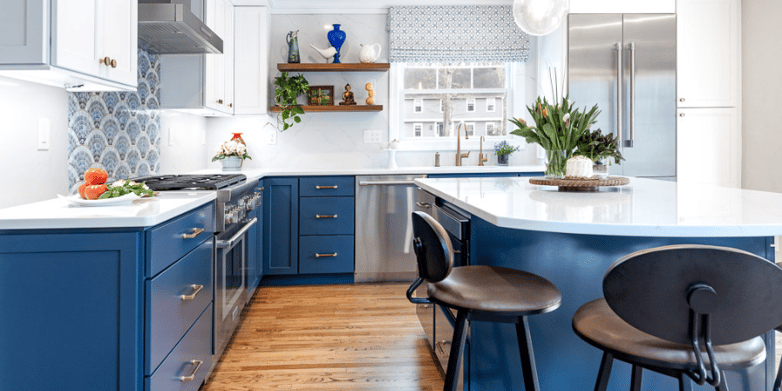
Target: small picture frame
(320, 96)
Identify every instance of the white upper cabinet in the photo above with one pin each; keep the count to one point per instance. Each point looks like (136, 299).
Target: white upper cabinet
(82, 44)
(709, 146)
(251, 58)
(708, 51)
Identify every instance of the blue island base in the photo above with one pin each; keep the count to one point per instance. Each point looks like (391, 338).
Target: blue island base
(576, 264)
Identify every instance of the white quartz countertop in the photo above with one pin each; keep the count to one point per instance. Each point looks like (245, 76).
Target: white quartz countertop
(645, 207)
(144, 212)
(58, 214)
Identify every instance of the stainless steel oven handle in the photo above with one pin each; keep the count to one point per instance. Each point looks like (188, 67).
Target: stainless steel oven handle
(196, 289)
(386, 183)
(190, 377)
(230, 242)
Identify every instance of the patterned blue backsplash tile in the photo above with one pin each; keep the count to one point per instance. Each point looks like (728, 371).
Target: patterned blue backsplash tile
(116, 131)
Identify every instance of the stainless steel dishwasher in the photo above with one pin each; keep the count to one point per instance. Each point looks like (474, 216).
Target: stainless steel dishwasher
(384, 228)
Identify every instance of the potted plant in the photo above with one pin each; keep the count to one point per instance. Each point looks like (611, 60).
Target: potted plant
(557, 129)
(288, 89)
(503, 150)
(231, 154)
(599, 147)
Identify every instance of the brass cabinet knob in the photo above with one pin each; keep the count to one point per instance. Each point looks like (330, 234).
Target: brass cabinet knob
(220, 101)
(681, 99)
(113, 63)
(230, 105)
(681, 114)
(105, 61)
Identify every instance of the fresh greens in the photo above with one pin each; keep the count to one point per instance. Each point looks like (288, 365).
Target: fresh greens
(595, 145)
(122, 187)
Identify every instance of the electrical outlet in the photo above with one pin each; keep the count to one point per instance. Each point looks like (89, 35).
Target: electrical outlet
(271, 137)
(170, 137)
(43, 134)
(373, 136)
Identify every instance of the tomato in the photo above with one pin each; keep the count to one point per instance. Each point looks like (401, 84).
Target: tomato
(81, 190)
(95, 176)
(94, 191)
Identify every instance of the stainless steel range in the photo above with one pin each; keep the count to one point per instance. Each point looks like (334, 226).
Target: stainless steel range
(236, 196)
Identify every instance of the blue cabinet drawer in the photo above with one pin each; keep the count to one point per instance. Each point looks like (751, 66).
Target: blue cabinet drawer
(326, 215)
(326, 254)
(171, 240)
(193, 352)
(326, 186)
(175, 299)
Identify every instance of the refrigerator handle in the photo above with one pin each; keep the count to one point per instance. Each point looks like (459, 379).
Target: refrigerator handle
(629, 143)
(619, 50)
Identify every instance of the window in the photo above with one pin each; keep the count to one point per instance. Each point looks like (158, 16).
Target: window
(440, 96)
(417, 128)
(470, 127)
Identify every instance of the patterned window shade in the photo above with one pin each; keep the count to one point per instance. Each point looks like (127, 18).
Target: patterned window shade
(455, 34)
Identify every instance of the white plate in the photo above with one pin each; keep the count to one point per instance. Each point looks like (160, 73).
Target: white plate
(77, 200)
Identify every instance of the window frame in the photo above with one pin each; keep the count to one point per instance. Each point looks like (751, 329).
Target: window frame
(493, 105)
(396, 124)
(468, 101)
(418, 105)
(420, 127)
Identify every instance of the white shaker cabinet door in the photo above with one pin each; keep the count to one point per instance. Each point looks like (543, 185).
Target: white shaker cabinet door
(76, 44)
(228, 61)
(708, 146)
(708, 53)
(118, 36)
(23, 26)
(251, 58)
(214, 85)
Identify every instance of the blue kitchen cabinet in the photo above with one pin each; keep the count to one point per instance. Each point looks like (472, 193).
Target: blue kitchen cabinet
(69, 307)
(281, 226)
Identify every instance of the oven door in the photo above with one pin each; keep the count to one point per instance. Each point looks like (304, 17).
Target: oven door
(230, 289)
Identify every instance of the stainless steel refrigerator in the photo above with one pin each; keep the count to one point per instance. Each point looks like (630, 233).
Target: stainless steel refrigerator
(626, 64)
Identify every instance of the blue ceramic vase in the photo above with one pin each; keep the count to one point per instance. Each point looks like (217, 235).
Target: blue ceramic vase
(293, 47)
(336, 38)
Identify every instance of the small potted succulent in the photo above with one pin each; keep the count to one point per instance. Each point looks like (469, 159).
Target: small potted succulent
(503, 150)
(600, 148)
(231, 154)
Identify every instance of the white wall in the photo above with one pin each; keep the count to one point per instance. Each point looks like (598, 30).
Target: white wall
(332, 139)
(27, 174)
(761, 98)
(183, 145)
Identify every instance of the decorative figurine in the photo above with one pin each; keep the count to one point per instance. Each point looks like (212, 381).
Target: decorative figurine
(347, 97)
(293, 47)
(368, 54)
(326, 53)
(370, 93)
(336, 38)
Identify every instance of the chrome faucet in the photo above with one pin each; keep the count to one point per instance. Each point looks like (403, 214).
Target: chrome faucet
(481, 158)
(459, 154)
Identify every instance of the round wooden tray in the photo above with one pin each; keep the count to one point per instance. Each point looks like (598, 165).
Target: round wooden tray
(581, 184)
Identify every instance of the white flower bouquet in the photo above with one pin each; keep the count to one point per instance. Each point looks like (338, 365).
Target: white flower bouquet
(231, 148)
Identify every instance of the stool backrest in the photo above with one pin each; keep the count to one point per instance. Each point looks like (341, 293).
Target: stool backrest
(656, 290)
(433, 248)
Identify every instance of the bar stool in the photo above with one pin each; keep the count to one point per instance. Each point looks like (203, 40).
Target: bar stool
(478, 293)
(677, 310)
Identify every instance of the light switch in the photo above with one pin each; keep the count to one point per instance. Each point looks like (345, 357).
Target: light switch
(271, 137)
(44, 133)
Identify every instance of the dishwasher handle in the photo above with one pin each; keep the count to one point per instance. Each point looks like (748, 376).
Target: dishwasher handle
(386, 183)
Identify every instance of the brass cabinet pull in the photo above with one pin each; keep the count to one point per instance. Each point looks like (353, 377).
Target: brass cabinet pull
(325, 187)
(325, 216)
(197, 288)
(190, 377)
(196, 232)
(105, 61)
(317, 255)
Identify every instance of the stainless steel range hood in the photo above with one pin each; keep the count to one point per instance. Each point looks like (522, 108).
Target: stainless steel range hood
(170, 27)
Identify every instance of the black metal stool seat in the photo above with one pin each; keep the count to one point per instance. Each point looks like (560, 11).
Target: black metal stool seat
(479, 293)
(496, 290)
(598, 325)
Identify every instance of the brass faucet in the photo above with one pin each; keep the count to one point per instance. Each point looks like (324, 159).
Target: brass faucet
(481, 158)
(459, 154)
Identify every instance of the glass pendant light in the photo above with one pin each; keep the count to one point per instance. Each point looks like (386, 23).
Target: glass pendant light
(540, 17)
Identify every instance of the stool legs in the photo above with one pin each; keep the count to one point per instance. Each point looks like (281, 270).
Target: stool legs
(527, 355)
(605, 372)
(459, 337)
(635, 378)
(778, 381)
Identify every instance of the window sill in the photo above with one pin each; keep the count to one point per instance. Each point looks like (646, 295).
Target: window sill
(450, 144)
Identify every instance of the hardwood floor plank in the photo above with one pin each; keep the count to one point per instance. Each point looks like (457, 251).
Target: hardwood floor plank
(358, 337)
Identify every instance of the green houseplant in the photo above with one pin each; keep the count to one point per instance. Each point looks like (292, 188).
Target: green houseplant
(599, 147)
(557, 129)
(288, 88)
(503, 151)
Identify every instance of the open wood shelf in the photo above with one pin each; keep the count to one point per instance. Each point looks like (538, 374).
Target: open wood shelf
(359, 67)
(334, 108)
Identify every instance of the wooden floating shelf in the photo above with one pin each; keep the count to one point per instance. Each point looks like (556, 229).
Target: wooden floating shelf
(359, 67)
(324, 109)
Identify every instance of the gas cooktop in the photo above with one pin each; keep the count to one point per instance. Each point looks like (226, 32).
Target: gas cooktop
(191, 182)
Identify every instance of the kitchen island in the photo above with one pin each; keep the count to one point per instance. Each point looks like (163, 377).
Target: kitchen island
(571, 239)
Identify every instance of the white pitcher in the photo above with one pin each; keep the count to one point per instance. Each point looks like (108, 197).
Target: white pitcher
(368, 52)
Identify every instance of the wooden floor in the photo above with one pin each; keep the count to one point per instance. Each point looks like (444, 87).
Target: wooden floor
(337, 337)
